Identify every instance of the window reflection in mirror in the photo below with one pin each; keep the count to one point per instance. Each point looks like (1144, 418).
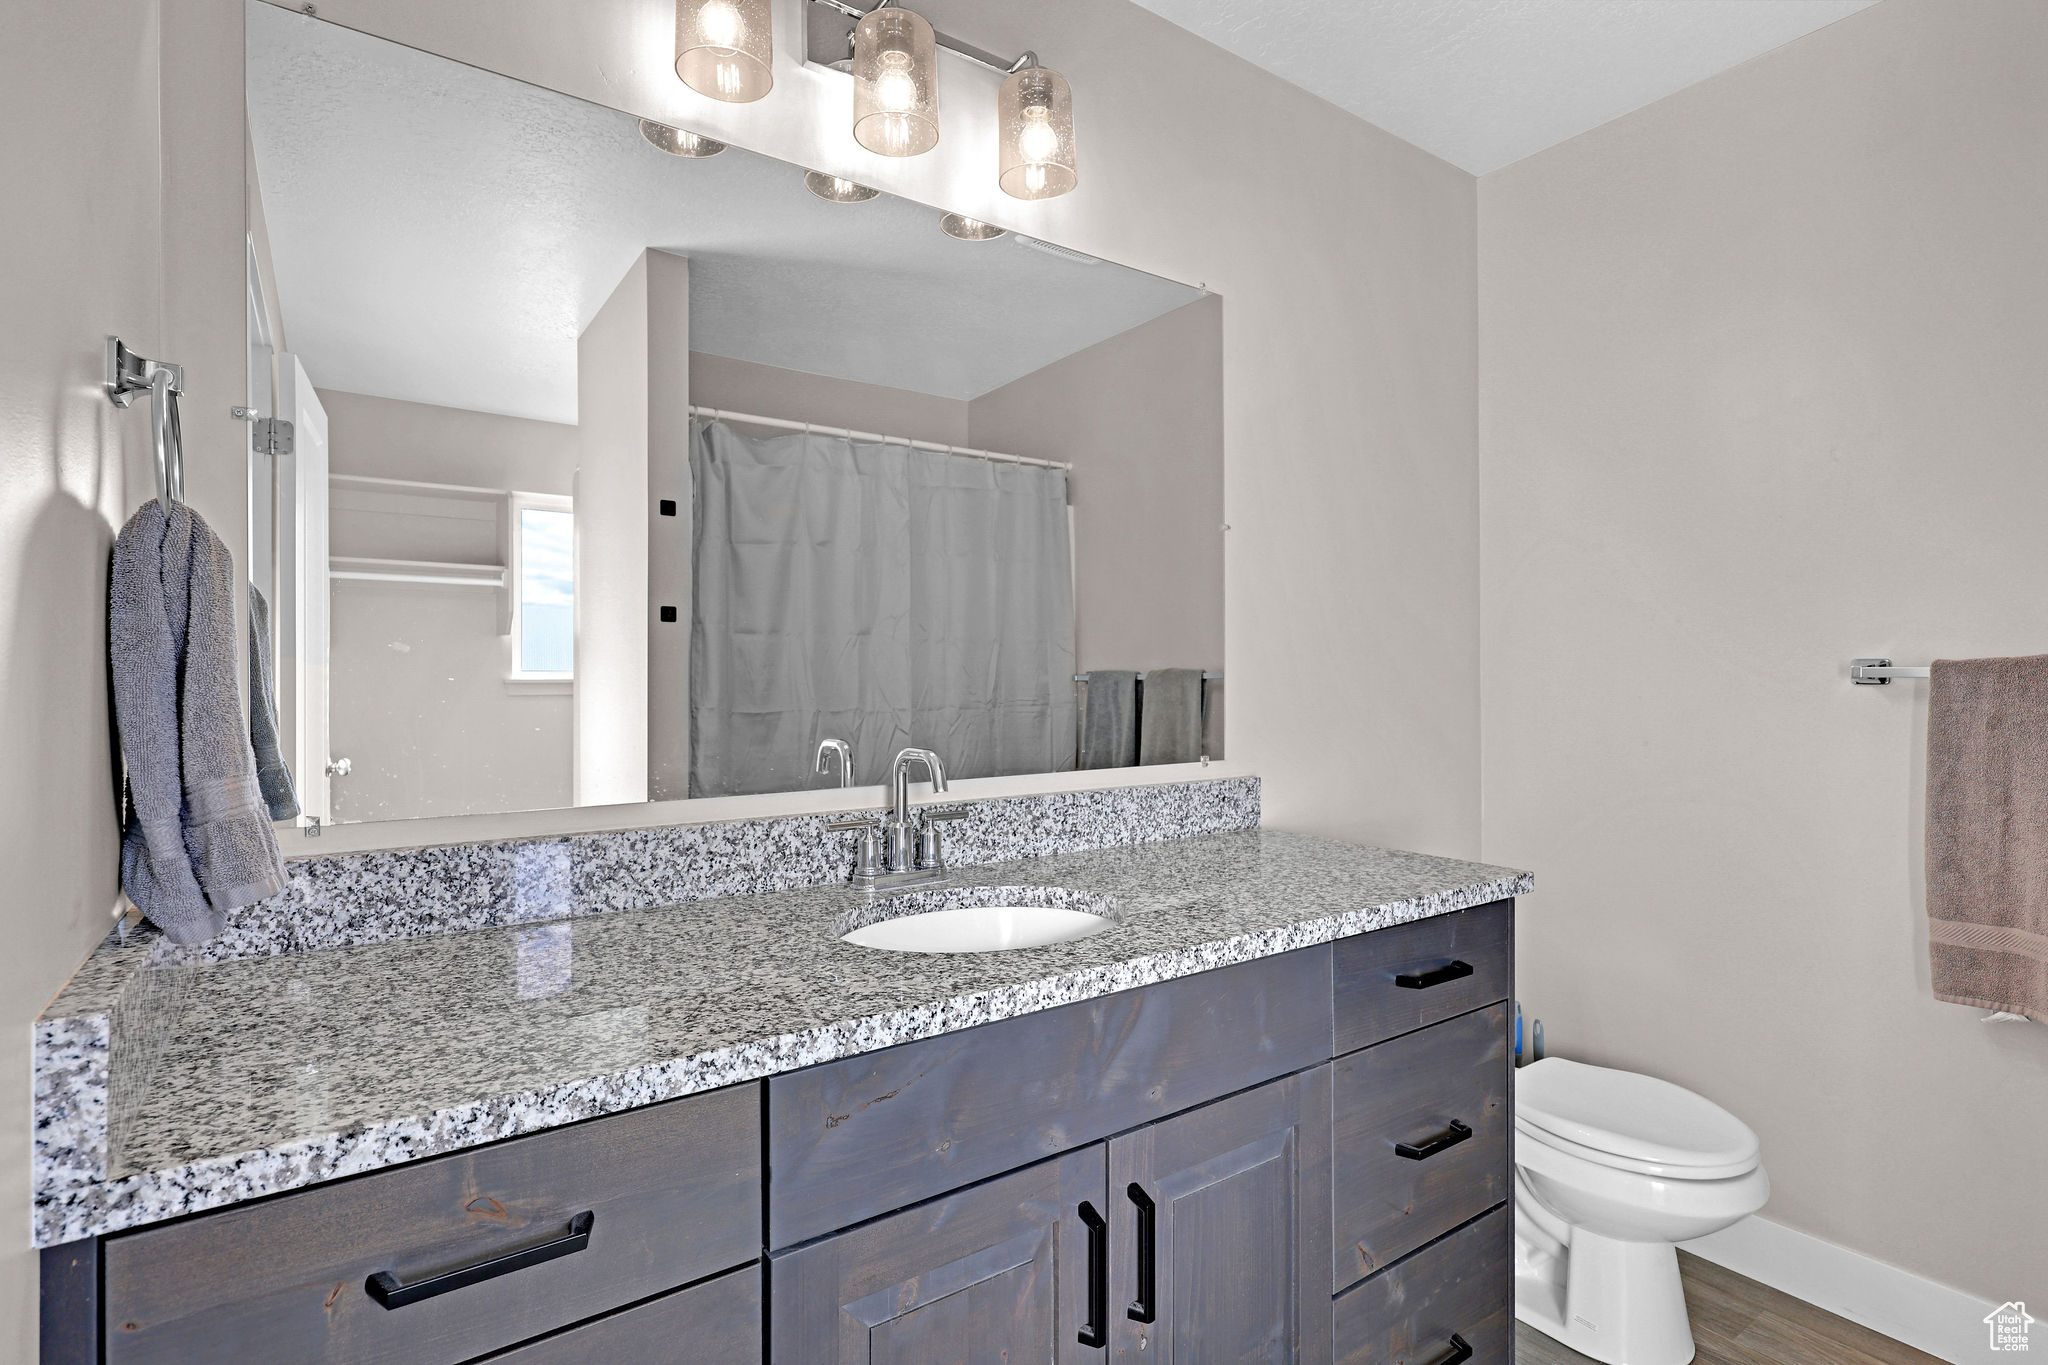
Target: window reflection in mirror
(647, 473)
(544, 621)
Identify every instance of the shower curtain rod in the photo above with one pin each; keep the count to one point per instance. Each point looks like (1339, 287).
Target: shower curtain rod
(784, 424)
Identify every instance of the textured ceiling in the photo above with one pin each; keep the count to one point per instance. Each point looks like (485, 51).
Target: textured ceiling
(443, 235)
(1482, 83)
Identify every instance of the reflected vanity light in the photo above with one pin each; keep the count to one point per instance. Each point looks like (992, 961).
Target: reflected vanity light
(969, 229)
(895, 82)
(835, 190)
(679, 141)
(726, 48)
(1035, 132)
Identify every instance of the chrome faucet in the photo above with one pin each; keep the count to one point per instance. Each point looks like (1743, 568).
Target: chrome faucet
(844, 751)
(897, 833)
(892, 850)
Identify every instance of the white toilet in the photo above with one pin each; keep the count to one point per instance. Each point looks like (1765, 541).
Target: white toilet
(1611, 1169)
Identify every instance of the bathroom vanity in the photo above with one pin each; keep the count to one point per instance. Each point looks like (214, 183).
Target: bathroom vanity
(1264, 1115)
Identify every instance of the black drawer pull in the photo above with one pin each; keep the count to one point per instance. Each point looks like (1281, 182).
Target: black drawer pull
(1095, 1331)
(386, 1290)
(1459, 1353)
(1444, 1141)
(1144, 1306)
(1435, 976)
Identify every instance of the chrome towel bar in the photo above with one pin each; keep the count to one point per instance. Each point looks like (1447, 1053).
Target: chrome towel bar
(1880, 672)
(129, 374)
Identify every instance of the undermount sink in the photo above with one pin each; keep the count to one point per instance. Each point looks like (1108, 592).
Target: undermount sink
(978, 919)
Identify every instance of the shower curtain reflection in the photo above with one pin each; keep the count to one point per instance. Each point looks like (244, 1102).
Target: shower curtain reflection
(883, 595)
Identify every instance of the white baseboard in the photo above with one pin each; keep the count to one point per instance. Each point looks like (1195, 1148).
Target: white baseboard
(1936, 1319)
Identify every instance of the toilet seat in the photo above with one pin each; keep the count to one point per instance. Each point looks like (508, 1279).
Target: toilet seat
(1630, 1122)
(1663, 1170)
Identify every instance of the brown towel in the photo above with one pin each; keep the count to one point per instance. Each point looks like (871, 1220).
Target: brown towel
(1987, 833)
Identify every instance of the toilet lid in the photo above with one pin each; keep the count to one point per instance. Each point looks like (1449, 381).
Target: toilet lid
(1630, 1115)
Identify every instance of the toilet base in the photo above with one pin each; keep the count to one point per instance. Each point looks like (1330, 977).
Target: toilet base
(1618, 1302)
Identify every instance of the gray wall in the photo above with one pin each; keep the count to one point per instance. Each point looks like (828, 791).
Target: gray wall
(1140, 417)
(1762, 391)
(420, 703)
(389, 438)
(771, 391)
(82, 238)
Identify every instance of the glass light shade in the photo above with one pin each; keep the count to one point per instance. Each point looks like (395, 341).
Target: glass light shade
(678, 141)
(895, 83)
(831, 187)
(969, 229)
(725, 49)
(1035, 129)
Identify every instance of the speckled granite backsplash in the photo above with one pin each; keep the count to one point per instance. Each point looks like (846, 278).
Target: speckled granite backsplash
(360, 898)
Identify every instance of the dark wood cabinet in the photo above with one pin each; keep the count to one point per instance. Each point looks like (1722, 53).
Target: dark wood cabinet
(663, 1196)
(714, 1323)
(1420, 1138)
(1455, 1293)
(855, 1138)
(1004, 1271)
(1414, 975)
(1220, 1225)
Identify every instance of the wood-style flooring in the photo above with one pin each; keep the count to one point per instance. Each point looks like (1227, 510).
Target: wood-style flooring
(1736, 1321)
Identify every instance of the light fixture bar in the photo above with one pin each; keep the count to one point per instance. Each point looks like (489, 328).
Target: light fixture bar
(979, 57)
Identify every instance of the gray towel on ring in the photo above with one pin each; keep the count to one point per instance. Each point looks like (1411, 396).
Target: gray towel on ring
(198, 840)
(272, 774)
(1109, 719)
(1170, 716)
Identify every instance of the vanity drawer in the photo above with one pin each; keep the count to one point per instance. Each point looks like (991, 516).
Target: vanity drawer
(1462, 1286)
(1402, 1174)
(667, 1194)
(714, 1323)
(1433, 957)
(860, 1137)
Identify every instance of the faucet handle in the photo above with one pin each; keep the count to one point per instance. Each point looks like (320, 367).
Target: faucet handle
(929, 854)
(855, 822)
(867, 849)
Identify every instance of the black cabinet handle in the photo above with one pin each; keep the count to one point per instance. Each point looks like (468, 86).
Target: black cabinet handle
(1143, 1307)
(1095, 1331)
(1459, 1353)
(1442, 1142)
(387, 1291)
(1435, 976)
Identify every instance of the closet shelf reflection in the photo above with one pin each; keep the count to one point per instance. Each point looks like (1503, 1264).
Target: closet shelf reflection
(349, 568)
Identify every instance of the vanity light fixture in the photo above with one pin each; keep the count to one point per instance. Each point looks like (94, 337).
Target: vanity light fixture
(969, 229)
(895, 82)
(679, 141)
(726, 48)
(1035, 129)
(836, 190)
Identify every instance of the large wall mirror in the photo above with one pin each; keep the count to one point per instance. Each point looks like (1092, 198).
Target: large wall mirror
(595, 473)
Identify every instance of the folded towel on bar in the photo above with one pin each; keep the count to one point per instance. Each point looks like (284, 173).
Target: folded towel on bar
(198, 840)
(1170, 716)
(1987, 833)
(273, 776)
(1109, 719)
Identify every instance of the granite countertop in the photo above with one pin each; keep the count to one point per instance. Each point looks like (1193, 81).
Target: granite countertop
(279, 1072)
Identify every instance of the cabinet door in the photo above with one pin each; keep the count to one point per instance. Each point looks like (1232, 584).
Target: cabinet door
(1010, 1271)
(1220, 1227)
